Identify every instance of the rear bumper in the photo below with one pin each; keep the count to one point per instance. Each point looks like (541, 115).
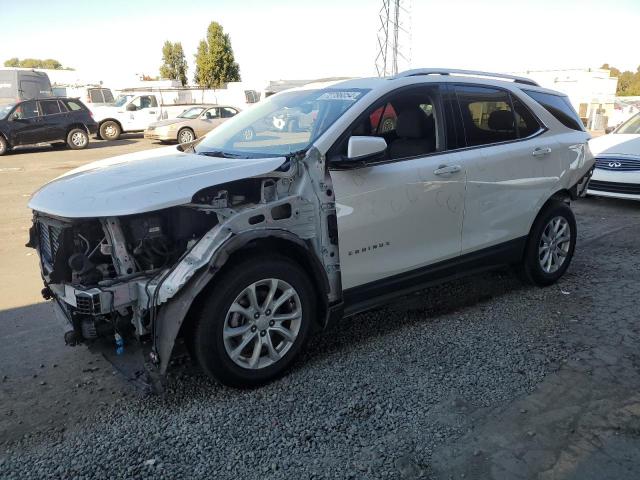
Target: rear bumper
(92, 128)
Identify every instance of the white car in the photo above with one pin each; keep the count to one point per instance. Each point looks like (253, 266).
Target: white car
(242, 247)
(617, 154)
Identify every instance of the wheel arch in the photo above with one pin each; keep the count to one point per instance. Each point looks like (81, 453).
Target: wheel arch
(79, 125)
(175, 318)
(101, 122)
(563, 195)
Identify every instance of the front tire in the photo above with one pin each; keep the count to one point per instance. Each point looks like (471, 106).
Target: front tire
(255, 322)
(77, 139)
(110, 130)
(550, 246)
(186, 135)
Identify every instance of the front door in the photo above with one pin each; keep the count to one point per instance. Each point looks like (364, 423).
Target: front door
(27, 124)
(147, 112)
(405, 212)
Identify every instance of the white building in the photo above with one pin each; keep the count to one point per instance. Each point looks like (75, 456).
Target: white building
(591, 91)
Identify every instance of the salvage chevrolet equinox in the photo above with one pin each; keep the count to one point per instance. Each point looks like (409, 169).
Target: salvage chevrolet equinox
(239, 246)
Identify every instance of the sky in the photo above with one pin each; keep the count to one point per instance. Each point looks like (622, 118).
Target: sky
(279, 39)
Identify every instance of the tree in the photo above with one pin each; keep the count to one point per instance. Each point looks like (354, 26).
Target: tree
(49, 63)
(215, 63)
(174, 64)
(628, 82)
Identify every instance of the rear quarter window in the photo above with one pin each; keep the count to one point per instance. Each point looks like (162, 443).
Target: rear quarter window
(74, 105)
(558, 106)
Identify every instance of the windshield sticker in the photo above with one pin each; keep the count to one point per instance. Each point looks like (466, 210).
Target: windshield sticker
(351, 96)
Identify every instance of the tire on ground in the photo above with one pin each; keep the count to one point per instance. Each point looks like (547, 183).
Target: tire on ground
(110, 130)
(4, 146)
(186, 135)
(77, 139)
(544, 241)
(207, 341)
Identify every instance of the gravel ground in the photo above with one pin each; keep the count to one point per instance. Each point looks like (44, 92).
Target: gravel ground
(371, 398)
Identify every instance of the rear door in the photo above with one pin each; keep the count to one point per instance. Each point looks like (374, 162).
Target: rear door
(53, 120)
(509, 169)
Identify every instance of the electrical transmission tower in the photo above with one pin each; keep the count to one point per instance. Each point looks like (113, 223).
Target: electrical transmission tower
(394, 37)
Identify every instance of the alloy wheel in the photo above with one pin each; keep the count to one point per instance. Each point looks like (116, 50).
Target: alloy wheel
(262, 323)
(554, 244)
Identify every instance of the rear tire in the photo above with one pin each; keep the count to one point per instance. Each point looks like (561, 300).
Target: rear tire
(550, 246)
(245, 343)
(77, 139)
(4, 146)
(110, 130)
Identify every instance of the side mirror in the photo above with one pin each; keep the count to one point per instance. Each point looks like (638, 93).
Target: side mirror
(609, 129)
(363, 148)
(131, 108)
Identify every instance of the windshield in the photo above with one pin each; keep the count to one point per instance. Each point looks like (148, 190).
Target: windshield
(192, 112)
(630, 126)
(5, 109)
(121, 100)
(282, 124)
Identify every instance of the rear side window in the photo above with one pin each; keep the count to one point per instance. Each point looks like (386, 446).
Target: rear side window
(559, 107)
(49, 107)
(108, 96)
(526, 122)
(73, 105)
(95, 94)
(487, 115)
(228, 112)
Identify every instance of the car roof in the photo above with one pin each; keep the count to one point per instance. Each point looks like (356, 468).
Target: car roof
(437, 76)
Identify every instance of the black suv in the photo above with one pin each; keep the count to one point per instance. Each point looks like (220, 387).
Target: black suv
(48, 120)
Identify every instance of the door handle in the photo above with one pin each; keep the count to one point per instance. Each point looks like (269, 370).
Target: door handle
(151, 112)
(447, 169)
(541, 152)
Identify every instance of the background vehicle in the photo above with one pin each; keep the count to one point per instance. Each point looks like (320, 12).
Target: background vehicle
(617, 172)
(242, 246)
(19, 84)
(51, 120)
(91, 95)
(190, 124)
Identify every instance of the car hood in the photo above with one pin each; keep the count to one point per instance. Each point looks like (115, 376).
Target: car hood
(141, 182)
(616, 144)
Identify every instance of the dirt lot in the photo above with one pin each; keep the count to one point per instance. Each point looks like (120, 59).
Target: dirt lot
(482, 378)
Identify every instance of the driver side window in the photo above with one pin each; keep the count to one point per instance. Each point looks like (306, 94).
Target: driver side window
(407, 121)
(145, 101)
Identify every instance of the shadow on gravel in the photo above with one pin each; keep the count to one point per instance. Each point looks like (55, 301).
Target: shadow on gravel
(424, 306)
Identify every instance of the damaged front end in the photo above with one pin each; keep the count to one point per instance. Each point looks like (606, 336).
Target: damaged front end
(125, 284)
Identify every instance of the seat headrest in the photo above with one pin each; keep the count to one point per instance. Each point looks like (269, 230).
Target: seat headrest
(501, 120)
(413, 123)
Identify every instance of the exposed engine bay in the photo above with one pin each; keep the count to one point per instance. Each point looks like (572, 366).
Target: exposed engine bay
(133, 278)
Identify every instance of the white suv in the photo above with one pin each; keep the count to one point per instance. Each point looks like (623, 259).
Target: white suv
(242, 247)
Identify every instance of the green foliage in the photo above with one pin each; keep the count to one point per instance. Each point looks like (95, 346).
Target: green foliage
(628, 82)
(48, 63)
(174, 64)
(215, 63)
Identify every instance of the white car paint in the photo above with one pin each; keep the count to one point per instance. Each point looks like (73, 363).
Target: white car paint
(141, 182)
(612, 148)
